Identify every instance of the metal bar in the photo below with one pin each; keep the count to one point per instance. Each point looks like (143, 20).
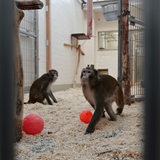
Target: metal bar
(36, 46)
(98, 4)
(89, 18)
(134, 20)
(120, 41)
(152, 80)
(7, 80)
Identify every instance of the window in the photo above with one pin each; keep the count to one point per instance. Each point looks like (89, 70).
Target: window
(108, 40)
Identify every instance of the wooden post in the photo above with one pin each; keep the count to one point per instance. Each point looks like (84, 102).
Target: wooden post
(25, 5)
(19, 79)
(79, 52)
(125, 53)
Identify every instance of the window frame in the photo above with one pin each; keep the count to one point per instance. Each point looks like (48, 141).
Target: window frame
(104, 44)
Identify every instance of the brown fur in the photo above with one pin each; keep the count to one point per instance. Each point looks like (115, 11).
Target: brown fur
(101, 91)
(41, 88)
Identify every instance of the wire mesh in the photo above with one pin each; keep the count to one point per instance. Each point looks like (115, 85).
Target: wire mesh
(136, 47)
(28, 39)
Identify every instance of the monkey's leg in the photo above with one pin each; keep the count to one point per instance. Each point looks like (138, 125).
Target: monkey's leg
(103, 115)
(108, 108)
(95, 118)
(52, 96)
(46, 95)
(120, 101)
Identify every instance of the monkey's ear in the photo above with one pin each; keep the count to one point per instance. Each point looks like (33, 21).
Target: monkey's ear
(92, 66)
(50, 71)
(88, 66)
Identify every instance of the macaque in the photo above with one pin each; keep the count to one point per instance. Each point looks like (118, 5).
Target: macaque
(41, 88)
(101, 91)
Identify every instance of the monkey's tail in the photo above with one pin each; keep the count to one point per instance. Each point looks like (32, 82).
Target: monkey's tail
(120, 100)
(28, 102)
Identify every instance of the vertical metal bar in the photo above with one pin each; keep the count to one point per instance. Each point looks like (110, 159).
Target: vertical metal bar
(120, 41)
(7, 80)
(36, 45)
(152, 80)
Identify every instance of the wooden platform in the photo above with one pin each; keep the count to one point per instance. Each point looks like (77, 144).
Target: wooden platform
(80, 36)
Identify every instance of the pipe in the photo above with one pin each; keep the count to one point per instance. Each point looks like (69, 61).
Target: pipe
(48, 37)
(89, 18)
(120, 41)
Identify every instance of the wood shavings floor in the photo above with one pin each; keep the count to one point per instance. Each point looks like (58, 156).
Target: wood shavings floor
(63, 135)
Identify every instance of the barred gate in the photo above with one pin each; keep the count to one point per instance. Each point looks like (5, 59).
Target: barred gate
(29, 47)
(136, 47)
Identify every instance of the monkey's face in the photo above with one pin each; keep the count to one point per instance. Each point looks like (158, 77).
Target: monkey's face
(53, 74)
(88, 73)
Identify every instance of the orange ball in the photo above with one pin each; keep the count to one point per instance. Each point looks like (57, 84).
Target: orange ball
(85, 116)
(33, 124)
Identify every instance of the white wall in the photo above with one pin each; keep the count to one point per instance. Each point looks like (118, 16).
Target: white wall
(105, 59)
(67, 18)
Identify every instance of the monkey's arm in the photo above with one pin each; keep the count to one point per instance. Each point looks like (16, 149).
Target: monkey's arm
(46, 95)
(52, 96)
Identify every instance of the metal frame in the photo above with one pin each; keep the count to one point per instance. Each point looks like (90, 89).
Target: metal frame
(132, 21)
(32, 34)
(7, 80)
(152, 80)
(36, 46)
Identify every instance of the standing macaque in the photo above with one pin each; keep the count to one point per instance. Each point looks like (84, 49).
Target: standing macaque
(41, 88)
(101, 91)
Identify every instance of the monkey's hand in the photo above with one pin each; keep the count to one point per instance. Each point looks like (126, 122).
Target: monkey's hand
(89, 131)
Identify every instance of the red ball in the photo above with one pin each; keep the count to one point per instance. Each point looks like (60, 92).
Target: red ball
(85, 116)
(33, 124)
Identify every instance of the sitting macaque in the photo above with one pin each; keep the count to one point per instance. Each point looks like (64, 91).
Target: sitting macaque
(101, 91)
(41, 88)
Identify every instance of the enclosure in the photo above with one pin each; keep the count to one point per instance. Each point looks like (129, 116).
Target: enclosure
(103, 49)
(59, 36)
(63, 134)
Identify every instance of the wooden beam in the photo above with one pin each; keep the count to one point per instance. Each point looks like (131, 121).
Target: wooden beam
(125, 53)
(79, 52)
(76, 47)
